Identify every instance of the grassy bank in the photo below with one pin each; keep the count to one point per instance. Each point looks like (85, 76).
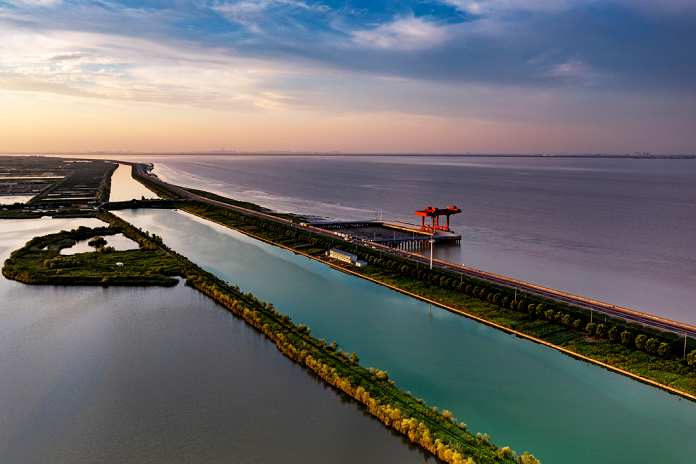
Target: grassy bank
(39, 262)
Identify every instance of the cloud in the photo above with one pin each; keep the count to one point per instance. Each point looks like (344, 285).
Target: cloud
(117, 69)
(36, 2)
(403, 34)
(505, 7)
(575, 72)
(251, 12)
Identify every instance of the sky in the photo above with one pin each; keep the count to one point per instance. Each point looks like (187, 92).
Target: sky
(378, 76)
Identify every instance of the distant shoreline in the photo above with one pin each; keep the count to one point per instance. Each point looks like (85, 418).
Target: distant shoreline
(367, 155)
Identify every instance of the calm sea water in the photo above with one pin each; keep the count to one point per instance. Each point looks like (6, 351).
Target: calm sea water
(524, 395)
(615, 230)
(152, 375)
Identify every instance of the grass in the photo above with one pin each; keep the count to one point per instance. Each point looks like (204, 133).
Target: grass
(40, 262)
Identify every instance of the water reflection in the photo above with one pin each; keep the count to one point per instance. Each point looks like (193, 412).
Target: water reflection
(125, 188)
(119, 241)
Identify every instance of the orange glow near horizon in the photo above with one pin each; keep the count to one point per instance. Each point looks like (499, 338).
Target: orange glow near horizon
(42, 123)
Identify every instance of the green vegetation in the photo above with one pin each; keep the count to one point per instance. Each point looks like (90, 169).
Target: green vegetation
(105, 187)
(244, 204)
(40, 261)
(20, 211)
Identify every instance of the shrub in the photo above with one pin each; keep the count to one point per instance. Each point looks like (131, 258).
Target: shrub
(590, 328)
(691, 358)
(577, 325)
(626, 338)
(97, 242)
(303, 329)
(527, 458)
(640, 341)
(567, 320)
(601, 331)
(614, 335)
(540, 309)
(652, 345)
(665, 350)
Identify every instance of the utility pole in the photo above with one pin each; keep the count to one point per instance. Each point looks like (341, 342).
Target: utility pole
(431, 253)
(432, 243)
(515, 294)
(684, 345)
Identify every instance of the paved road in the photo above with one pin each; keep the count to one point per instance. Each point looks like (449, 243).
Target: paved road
(585, 303)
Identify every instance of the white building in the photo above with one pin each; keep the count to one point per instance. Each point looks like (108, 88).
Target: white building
(346, 257)
(343, 255)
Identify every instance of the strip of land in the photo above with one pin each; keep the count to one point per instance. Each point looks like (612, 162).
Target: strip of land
(631, 349)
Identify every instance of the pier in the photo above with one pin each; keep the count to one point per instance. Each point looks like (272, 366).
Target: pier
(393, 234)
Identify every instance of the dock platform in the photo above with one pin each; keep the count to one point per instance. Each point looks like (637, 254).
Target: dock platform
(394, 234)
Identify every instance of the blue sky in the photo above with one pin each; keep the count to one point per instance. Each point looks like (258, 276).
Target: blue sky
(599, 76)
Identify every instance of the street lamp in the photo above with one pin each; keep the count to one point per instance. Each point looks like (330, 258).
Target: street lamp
(432, 242)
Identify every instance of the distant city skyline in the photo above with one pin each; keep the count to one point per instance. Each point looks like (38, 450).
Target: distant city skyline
(413, 76)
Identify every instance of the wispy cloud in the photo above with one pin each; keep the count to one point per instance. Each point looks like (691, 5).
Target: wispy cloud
(403, 34)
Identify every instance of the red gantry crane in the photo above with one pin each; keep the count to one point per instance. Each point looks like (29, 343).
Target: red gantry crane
(435, 214)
